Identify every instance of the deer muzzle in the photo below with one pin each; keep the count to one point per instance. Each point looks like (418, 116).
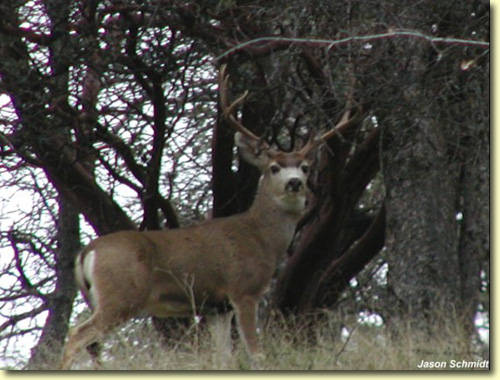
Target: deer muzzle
(294, 185)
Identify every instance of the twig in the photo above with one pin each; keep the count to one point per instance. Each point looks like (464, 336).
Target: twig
(342, 349)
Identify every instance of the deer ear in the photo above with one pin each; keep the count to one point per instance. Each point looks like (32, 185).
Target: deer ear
(253, 151)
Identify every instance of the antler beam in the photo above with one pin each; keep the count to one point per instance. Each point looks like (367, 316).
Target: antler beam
(228, 109)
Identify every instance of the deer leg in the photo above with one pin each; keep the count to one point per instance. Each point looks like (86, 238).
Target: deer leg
(89, 333)
(219, 327)
(81, 336)
(94, 350)
(246, 315)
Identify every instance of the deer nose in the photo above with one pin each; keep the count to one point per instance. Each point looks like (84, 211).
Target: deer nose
(294, 185)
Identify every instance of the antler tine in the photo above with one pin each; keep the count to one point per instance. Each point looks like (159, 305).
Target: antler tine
(344, 122)
(228, 109)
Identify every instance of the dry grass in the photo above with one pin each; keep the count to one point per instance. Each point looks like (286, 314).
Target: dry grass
(288, 345)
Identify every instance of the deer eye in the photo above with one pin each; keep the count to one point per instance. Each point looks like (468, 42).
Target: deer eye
(275, 168)
(305, 168)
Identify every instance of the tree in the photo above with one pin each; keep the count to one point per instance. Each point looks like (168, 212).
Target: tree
(59, 302)
(112, 114)
(422, 165)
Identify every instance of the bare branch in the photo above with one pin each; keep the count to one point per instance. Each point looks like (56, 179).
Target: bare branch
(343, 41)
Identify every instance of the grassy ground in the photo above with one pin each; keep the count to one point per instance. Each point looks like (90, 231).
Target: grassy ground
(287, 345)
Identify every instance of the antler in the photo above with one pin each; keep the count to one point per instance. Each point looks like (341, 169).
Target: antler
(228, 109)
(344, 123)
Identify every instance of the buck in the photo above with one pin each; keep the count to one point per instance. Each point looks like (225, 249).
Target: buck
(170, 273)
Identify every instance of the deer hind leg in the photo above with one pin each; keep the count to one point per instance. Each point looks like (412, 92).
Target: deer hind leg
(83, 335)
(89, 333)
(94, 350)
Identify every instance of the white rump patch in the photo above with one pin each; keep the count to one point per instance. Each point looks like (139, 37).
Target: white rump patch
(87, 274)
(88, 265)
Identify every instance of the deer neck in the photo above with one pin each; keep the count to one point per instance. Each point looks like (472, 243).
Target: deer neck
(275, 223)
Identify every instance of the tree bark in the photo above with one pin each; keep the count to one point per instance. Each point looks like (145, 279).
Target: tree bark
(421, 226)
(474, 244)
(46, 353)
(420, 185)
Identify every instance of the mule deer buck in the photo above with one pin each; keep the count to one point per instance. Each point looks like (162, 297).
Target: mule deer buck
(231, 258)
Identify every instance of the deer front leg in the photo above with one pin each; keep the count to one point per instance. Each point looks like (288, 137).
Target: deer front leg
(246, 316)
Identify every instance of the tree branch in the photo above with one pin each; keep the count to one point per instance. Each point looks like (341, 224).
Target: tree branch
(329, 44)
(336, 277)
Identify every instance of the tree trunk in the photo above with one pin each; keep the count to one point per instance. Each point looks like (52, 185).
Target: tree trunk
(420, 198)
(60, 302)
(474, 244)
(421, 227)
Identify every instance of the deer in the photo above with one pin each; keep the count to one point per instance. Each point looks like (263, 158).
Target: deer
(124, 274)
